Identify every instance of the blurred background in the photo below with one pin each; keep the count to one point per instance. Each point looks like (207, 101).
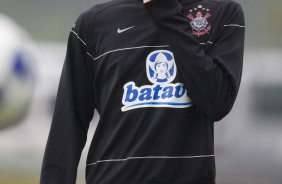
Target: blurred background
(33, 35)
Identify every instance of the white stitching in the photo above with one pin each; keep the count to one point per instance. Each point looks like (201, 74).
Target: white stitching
(233, 25)
(129, 158)
(78, 37)
(206, 43)
(112, 50)
(90, 55)
(83, 43)
(127, 49)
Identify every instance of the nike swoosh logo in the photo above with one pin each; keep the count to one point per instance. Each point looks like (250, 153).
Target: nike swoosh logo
(122, 30)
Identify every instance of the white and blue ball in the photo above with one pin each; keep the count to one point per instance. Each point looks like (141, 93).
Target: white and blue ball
(17, 72)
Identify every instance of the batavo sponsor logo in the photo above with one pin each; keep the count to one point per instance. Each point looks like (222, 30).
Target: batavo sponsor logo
(161, 71)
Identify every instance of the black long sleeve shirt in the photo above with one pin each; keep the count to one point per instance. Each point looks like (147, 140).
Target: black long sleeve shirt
(159, 75)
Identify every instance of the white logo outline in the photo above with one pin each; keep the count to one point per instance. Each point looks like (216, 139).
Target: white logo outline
(160, 55)
(125, 29)
(161, 93)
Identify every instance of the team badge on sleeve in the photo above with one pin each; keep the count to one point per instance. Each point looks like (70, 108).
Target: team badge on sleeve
(161, 71)
(199, 20)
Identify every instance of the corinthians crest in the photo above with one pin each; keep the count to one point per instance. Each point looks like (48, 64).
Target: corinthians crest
(199, 20)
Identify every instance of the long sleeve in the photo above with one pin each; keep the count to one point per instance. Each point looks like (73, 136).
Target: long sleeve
(74, 109)
(212, 77)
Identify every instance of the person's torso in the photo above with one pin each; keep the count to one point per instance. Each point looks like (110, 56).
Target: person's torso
(149, 129)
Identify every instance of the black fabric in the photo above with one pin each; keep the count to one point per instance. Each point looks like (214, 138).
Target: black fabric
(156, 124)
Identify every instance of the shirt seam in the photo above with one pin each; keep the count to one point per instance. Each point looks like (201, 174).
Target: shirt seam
(150, 157)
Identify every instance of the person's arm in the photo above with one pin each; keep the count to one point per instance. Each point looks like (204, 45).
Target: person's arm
(212, 78)
(74, 109)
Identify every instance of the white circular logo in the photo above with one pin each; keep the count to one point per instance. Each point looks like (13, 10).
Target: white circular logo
(160, 66)
(199, 23)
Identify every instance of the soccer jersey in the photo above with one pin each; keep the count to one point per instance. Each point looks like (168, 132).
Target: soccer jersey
(159, 75)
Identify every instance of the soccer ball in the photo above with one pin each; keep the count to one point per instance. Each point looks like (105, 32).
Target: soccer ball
(17, 74)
